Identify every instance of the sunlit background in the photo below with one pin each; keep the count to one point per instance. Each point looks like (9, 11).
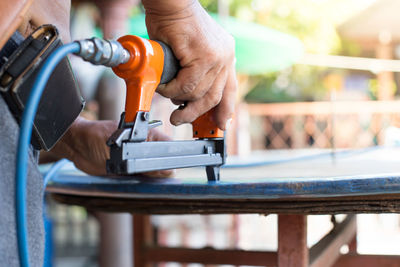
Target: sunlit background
(320, 74)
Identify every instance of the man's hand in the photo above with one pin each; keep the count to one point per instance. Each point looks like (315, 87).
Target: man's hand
(85, 145)
(206, 54)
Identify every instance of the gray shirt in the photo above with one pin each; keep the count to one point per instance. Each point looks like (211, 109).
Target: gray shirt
(8, 236)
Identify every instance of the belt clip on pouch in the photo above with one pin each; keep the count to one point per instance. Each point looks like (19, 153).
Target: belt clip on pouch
(61, 102)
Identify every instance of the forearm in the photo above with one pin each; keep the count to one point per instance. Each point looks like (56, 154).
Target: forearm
(85, 145)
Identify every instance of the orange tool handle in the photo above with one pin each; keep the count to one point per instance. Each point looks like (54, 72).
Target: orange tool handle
(152, 63)
(142, 73)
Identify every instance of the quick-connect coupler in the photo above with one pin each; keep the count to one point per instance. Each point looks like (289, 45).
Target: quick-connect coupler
(98, 51)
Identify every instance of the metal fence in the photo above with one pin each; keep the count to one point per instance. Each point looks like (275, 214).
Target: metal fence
(349, 124)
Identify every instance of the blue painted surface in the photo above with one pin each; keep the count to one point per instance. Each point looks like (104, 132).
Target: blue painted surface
(373, 172)
(271, 189)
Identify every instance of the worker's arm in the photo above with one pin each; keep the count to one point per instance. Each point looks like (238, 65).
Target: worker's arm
(206, 54)
(85, 145)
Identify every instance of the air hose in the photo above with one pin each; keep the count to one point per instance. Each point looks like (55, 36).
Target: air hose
(96, 51)
(24, 140)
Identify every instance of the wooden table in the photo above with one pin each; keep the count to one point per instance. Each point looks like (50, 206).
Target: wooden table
(291, 184)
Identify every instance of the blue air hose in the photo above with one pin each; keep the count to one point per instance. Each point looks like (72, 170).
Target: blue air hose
(24, 143)
(97, 51)
(53, 170)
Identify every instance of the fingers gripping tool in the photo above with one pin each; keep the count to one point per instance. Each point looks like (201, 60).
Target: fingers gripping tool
(152, 63)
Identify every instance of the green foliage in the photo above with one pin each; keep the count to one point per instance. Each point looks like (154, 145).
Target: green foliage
(309, 21)
(210, 5)
(266, 91)
(288, 85)
(349, 48)
(373, 88)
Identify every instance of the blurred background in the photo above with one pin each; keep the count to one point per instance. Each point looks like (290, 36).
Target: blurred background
(320, 74)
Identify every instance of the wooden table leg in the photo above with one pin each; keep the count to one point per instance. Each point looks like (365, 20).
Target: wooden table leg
(292, 241)
(142, 238)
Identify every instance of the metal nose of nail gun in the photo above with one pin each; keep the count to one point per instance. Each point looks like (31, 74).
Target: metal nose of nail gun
(154, 63)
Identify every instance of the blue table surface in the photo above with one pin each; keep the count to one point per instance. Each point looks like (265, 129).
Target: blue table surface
(287, 174)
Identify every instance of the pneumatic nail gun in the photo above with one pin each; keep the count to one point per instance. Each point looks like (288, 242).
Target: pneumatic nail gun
(152, 63)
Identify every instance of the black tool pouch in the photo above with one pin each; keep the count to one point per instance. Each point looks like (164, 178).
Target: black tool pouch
(61, 101)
